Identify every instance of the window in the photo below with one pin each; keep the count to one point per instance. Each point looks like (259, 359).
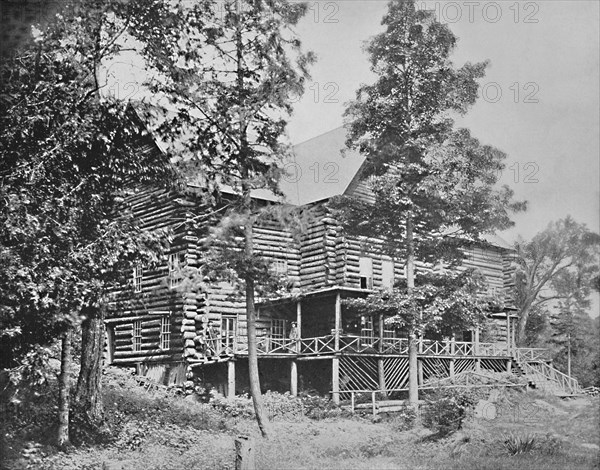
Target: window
(366, 330)
(280, 266)
(165, 332)
(228, 327)
(387, 274)
(365, 266)
(138, 273)
(176, 261)
(277, 328)
(137, 335)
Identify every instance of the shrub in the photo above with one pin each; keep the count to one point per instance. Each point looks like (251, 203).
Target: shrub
(517, 444)
(405, 419)
(446, 409)
(317, 407)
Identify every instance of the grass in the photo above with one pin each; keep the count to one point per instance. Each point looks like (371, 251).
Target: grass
(155, 429)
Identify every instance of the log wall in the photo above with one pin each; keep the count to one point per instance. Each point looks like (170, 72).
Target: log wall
(323, 256)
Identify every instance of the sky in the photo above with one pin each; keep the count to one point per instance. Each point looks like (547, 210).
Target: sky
(539, 100)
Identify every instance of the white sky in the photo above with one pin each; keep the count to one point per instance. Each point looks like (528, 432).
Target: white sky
(547, 50)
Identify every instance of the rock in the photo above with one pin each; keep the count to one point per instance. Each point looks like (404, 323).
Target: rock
(590, 446)
(486, 410)
(116, 465)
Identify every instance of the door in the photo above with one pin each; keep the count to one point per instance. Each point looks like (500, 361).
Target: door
(228, 330)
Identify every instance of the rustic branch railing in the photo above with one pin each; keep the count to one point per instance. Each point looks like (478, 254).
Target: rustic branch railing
(547, 372)
(531, 354)
(353, 344)
(493, 349)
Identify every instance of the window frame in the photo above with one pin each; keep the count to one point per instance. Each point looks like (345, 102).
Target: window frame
(136, 335)
(138, 276)
(175, 262)
(164, 341)
(365, 270)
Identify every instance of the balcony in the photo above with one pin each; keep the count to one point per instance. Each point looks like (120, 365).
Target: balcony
(352, 345)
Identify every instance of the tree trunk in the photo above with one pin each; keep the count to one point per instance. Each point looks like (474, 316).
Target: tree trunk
(88, 396)
(522, 324)
(62, 437)
(254, 378)
(413, 384)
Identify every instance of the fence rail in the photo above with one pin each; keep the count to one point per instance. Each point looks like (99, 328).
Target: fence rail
(547, 373)
(215, 345)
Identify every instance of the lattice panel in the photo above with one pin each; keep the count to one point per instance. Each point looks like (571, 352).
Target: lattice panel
(395, 371)
(496, 365)
(463, 365)
(358, 373)
(435, 368)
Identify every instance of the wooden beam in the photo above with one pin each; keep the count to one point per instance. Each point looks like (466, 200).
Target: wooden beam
(230, 379)
(451, 368)
(294, 378)
(420, 371)
(381, 376)
(508, 348)
(338, 320)
(299, 318)
(476, 340)
(335, 380)
(380, 332)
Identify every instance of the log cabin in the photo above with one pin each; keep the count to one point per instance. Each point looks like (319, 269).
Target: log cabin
(181, 331)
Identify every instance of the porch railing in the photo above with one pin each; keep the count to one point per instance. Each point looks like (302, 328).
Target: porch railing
(531, 354)
(353, 344)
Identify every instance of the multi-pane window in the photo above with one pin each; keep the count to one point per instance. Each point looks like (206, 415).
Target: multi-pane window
(228, 326)
(365, 266)
(176, 261)
(277, 328)
(165, 332)
(137, 335)
(280, 266)
(366, 330)
(387, 274)
(138, 273)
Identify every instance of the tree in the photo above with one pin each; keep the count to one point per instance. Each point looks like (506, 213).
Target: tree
(558, 265)
(68, 156)
(229, 90)
(426, 177)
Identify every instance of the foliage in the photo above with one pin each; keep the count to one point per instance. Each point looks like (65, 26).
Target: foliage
(446, 409)
(228, 76)
(405, 419)
(517, 444)
(317, 408)
(67, 158)
(434, 187)
(447, 303)
(557, 267)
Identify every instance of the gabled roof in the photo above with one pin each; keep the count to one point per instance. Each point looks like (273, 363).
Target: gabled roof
(320, 168)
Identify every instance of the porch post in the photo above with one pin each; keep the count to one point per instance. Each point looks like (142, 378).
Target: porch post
(508, 348)
(381, 332)
(299, 318)
(230, 379)
(451, 371)
(477, 365)
(294, 378)
(381, 374)
(338, 321)
(476, 335)
(420, 371)
(335, 380)
(509, 365)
